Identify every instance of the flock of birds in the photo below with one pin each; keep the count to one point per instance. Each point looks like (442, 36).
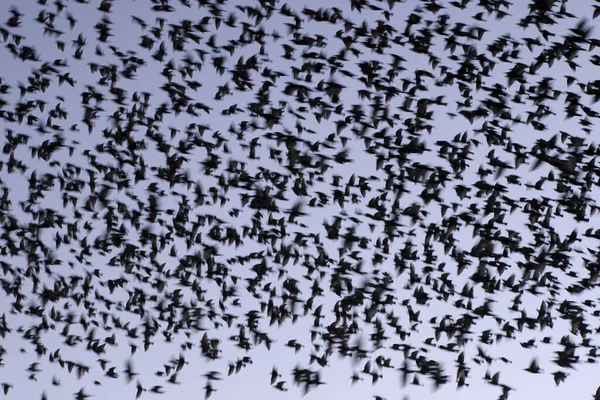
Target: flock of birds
(174, 226)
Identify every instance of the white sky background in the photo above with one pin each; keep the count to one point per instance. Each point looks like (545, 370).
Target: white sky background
(253, 381)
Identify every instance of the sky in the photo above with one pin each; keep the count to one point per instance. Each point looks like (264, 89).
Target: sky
(253, 380)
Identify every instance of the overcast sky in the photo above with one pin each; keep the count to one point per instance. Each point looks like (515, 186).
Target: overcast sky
(253, 380)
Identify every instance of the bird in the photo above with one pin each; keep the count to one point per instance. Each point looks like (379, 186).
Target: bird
(129, 373)
(559, 377)
(533, 367)
(274, 375)
(139, 390)
(6, 387)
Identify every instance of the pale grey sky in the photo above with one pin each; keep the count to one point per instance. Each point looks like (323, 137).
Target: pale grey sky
(253, 381)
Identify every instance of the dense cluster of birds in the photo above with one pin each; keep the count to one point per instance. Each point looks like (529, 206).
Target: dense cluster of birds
(198, 226)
